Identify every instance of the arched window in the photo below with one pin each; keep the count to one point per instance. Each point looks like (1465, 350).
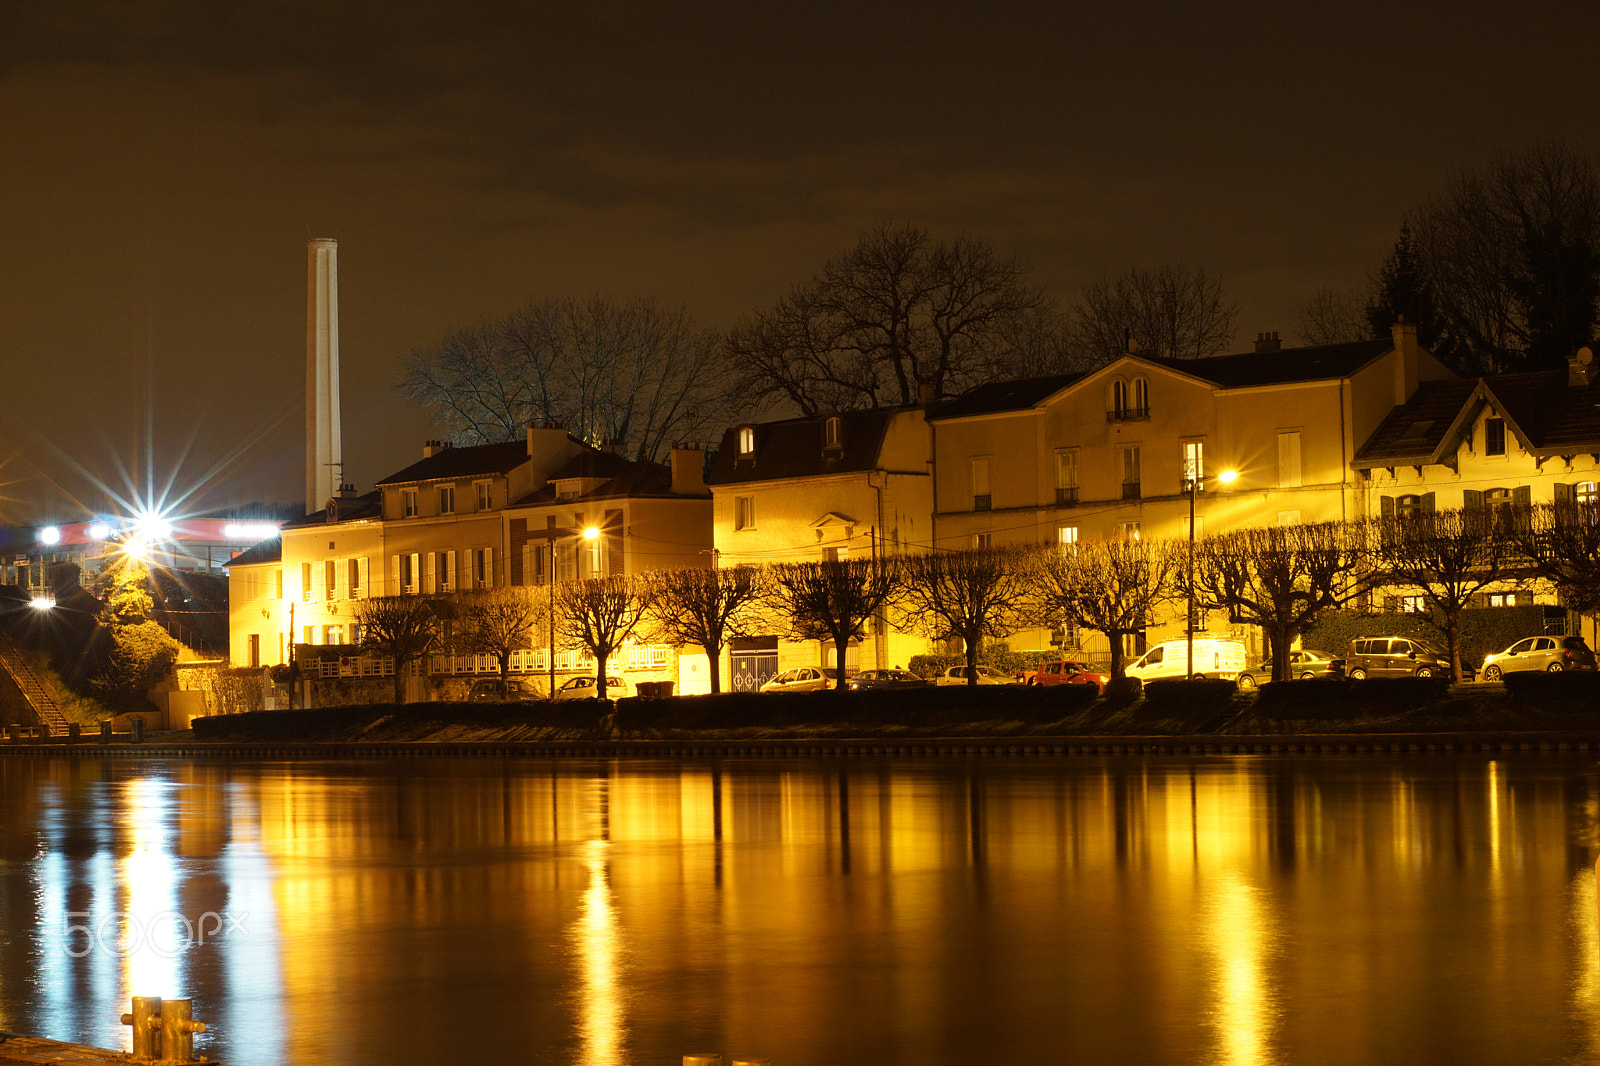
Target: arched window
(1141, 399)
(831, 433)
(747, 440)
(1119, 399)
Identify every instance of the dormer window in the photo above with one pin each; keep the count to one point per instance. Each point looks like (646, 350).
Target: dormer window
(747, 441)
(832, 433)
(1128, 400)
(408, 503)
(1494, 436)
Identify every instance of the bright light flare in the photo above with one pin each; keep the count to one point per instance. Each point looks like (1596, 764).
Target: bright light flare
(1227, 477)
(43, 603)
(591, 533)
(50, 535)
(135, 548)
(249, 532)
(152, 526)
(98, 531)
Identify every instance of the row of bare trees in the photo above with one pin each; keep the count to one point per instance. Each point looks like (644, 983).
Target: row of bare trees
(1280, 578)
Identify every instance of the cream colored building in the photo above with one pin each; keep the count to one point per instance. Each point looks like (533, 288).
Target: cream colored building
(1107, 453)
(810, 489)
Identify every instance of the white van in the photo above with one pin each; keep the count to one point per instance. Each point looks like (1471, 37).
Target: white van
(1212, 658)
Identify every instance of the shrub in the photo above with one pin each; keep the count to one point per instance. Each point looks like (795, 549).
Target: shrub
(1580, 687)
(1121, 691)
(1183, 700)
(1341, 698)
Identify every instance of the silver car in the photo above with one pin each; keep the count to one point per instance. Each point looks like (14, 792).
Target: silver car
(1552, 654)
(802, 679)
(987, 675)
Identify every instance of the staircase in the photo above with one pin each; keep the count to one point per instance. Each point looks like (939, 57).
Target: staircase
(34, 690)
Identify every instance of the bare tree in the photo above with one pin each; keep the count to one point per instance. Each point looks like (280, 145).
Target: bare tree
(833, 600)
(1510, 255)
(600, 615)
(1448, 557)
(973, 595)
(1561, 543)
(1335, 316)
(897, 313)
(1108, 586)
(1040, 343)
(405, 628)
(706, 606)
(610, 370)
(1172, 311)
(1277, 577)
(497, 621)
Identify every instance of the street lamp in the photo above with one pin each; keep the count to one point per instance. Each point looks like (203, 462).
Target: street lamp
(551, 536)
(1194, 481)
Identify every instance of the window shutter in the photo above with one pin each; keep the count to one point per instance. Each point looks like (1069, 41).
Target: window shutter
(1565, 494)
(1391, 603)
(1471, 499)
(416, 571)
(450, 569)
(1386, 506)
(1522, 496)
(394, 576)
(488, 568)
(1524, 599)
(432, 578)
(366, 575)
(1427, 503)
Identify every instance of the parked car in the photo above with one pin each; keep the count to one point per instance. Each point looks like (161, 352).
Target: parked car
(1553, 654)
(802, 679)
(489, 690)
(1397, 657)
(887, 679)
(583, 688)
(1065, 672)
(987, 675)
(1303, 665)
(1213, 657)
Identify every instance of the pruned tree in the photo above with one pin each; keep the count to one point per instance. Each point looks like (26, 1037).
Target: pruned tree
(405, 628)
(973, 595)
(1171, 311)
(497, 621)
(1510, 255)
(1561, 544)
(600, 615)
(706, 606)
(1280, 578)
(833, 600)
(1335, 316)
(1112, 587)
(1448, 557)
(628, 371)
(897, 313)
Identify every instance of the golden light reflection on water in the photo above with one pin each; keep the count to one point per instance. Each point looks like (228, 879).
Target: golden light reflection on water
(153, 931)
(1239, 933)
(595, 941)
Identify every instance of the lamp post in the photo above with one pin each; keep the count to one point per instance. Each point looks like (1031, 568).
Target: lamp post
(1195, 480)
(551, 535)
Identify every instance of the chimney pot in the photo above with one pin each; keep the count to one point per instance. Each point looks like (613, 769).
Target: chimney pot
(1267, 342)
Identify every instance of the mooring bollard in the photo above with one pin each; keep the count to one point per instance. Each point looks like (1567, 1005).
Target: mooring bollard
(105, 731)
(136, 725)
(146, 1022)
(751, 1062)
(702, 1060)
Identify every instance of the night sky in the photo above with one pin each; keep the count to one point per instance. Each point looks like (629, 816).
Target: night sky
(162, 165)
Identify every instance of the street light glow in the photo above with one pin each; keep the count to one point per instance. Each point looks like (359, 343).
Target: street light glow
(152, 526)
(43, 603)
(99, 531)
(50, 535)
(591, 533)
(1227, 476)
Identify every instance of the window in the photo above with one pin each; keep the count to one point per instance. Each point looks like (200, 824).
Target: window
(980, 485)
(408, 503)
(306, 591)
(356, 577)
(484, 493)
(1067, 477)
(1584, 492)
(1494, 436)
(1412, 605)
(1119, 399)
(255, 649)
(447, 499)
(830, 433)
(747, 440)
(836, 555)
(482, 568)
(330, 579)
(1194, 461)
(277, 580)
(1288, 518)
(445, 571)
(1129, 402)
(981, 540)
(1130, 531)
(1289, 476)
(333, 634)
(1067, 536)
(1130, 473)
(308, 634)
(1502, 599)
(1141, 399)
(356, 632)
(744, 512)
(1408, 506)
(405, 570)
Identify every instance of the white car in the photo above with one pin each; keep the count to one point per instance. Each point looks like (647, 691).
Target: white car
(583, 688)
(987, 675)
(802, 679)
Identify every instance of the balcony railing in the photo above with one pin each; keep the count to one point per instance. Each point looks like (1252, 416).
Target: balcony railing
(1128, 414)
(981, 503)
(1067, 497)
(1130, 490)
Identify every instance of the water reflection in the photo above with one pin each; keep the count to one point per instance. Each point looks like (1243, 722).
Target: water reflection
(1236, 911)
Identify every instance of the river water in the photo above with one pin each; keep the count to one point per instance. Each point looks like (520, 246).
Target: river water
(1224, 909)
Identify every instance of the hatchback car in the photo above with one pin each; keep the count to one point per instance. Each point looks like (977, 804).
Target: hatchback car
(1303, 665)
(987, 675)
(489, 690)
(1066, 672)
(1553, 654)
(887, 679)
(802, 679)
(583, 688)
(1397, 657)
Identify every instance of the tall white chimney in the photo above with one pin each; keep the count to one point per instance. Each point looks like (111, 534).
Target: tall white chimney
(324, 449)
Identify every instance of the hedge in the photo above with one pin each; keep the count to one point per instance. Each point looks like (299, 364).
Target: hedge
(948, 704)
(1580, 688)
(1184, 700)
(1484, 630)
(1336, 697)
(1001, 658)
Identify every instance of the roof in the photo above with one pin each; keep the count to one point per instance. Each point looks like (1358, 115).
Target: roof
(1547, 417)
(1004, 396)
(268, 551)
(623, 477)
(463, 462)
(1285, 366)
(794, 448)
(369, 505)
